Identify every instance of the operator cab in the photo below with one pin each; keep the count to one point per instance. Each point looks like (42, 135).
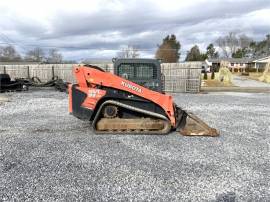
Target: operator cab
(145, 72)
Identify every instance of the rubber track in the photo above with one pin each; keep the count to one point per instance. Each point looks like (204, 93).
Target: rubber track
(153, 114)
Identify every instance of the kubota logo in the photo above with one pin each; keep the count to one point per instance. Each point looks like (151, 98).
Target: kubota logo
(128, 85)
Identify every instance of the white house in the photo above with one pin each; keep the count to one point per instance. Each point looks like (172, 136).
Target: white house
(261, 63)
(238, 64)
(234, 64)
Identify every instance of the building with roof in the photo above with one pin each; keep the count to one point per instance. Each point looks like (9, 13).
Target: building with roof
(234, 64)
(238, 64)
(261, 62)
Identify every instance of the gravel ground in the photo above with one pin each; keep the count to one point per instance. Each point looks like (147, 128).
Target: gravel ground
(245, 82)
(47, 154)
(3, 98)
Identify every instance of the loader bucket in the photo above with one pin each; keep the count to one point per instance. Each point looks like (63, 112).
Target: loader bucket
(191, 125)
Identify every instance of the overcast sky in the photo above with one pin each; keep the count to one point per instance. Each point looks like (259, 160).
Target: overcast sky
(99, 28)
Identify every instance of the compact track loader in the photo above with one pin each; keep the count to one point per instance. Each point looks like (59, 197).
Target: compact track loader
(113, 104)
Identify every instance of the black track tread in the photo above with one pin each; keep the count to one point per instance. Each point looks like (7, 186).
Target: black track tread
(152, 114)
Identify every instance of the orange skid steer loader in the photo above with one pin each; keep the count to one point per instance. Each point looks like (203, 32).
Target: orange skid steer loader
(113, 104)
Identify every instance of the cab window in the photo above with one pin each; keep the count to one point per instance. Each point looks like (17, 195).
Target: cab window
(137, 71)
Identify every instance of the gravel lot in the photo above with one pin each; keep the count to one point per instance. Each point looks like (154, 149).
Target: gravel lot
(47, 154)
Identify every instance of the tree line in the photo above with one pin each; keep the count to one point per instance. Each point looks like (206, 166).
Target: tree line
(10, 54)
(230, 45)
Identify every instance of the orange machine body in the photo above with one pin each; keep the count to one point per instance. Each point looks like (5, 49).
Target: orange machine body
(90, 79)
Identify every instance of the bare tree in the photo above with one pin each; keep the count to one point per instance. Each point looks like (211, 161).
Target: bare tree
(228, 44)
(221, 43)
(36, 55)
(244, 41)
(9, 53)
(54, 56)
(129, 52)
(232, 42)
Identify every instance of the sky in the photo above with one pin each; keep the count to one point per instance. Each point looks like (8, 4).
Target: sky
(99, 29)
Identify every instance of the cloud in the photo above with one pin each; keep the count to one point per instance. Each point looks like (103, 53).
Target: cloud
(99, 28)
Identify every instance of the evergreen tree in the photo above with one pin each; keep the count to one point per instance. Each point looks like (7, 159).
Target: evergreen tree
(211, 51)
(168, 51)
(240, 53)
(195, 55)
